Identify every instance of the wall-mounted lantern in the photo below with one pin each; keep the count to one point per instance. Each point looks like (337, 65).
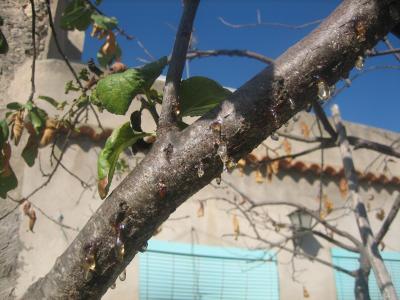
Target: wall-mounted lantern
(301, 220)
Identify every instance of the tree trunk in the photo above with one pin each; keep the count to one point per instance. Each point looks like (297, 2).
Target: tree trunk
(361, 288)
(153, 190)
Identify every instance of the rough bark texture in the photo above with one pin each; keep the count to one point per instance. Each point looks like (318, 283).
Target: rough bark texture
(372, 253)
(361, 287)
(158, 185)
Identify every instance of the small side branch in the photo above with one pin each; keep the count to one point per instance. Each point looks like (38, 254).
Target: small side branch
(230, 52)
(388, 221)
(270, 24)
(65, 58)
(324, 119)
(359, 143)
(170, 106)
(33, 28)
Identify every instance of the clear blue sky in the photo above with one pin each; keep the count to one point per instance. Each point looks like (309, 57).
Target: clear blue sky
(373, 99)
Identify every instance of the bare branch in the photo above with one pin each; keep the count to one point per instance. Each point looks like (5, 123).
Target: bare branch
(170, 105)
(335, 242)
(394, 51)
(386, 52)
(388, 221)
(360, 143)
(324, 119)
(229, 52)
(33, 32)
(381, 273)
(65, 58)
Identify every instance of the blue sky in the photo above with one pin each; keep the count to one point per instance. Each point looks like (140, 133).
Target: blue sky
(373, 99)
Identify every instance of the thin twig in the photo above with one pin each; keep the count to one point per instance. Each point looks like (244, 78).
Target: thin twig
(230, 52)
(170, 105)
(66, 60)
(319, 111)
(385, 52)
(392, 50)
(270, 24)
(388, 221)
(53, 220)
(119, 29)
(33, 32)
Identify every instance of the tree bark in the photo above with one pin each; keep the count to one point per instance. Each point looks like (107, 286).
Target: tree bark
(153, 190)
(361, 287)
(372, 253)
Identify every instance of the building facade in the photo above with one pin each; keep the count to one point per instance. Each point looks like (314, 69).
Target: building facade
(208, 248)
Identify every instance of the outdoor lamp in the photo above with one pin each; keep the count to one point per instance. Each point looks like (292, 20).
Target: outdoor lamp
(300, 220)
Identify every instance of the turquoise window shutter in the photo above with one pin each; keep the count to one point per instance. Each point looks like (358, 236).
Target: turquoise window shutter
(183, 271)
(349, 260)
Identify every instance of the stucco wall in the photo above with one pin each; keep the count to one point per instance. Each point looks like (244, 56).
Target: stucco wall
(65, 196)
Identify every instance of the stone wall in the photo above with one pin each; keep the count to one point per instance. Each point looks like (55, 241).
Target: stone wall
(17, 17)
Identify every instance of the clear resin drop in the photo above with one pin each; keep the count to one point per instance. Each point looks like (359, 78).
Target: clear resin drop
(359, 64)
(324, 91)
(122, 276)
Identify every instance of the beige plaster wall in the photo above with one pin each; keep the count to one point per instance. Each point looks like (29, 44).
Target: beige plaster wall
(65, 196)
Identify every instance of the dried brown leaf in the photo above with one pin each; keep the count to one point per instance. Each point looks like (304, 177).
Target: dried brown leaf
(259, 176)
(287, 146)
(305, 130)
(380, 215)
(110, 46)
(200, 210)
(343, 187)
(26, 206)
(18, 127)
(306, 294)
(328, 204)
(32, 219)
(102, 187)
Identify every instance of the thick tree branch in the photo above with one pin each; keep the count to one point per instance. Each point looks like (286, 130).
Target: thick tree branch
(157, 186)
(170, 106)
(230, 52)
(374, 257)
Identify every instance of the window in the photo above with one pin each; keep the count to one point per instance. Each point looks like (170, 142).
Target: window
(185, 271)
(349, 260)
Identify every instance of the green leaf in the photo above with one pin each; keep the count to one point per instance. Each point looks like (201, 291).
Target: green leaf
(38, 118)
(105, 60)
(120, 139)
(8, 181)
(4, 133)
(50, 100)
(3, 44)
(116, 91)
(77, 15)
(104, 22)
(70, 86)
(198, 95)
(30, 151)
(15, 106)
(1, 21)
